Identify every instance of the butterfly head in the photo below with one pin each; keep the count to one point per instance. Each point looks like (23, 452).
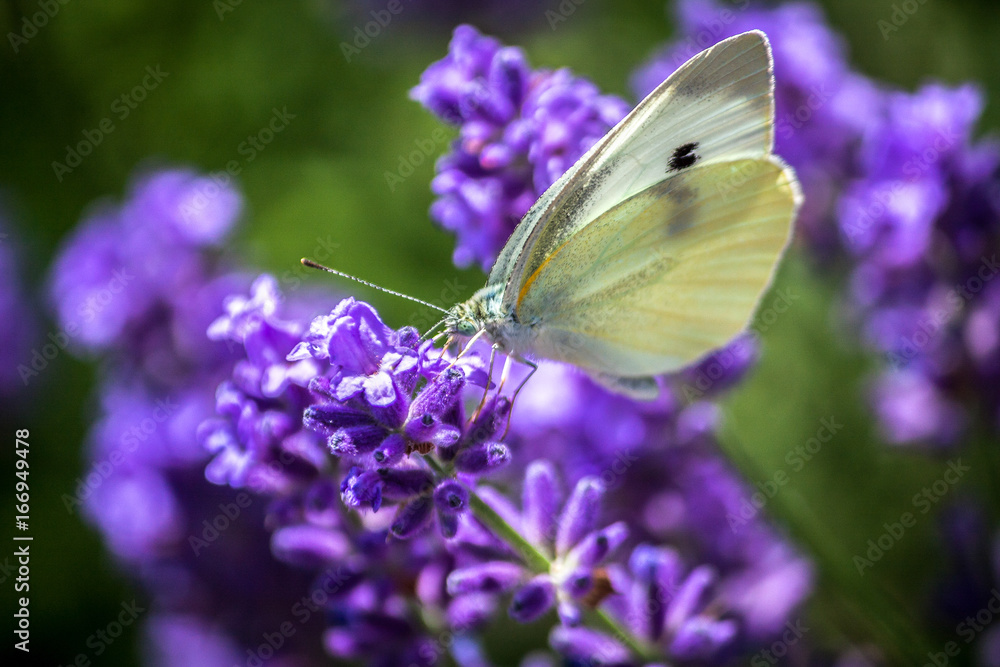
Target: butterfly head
(461, 320)
(479, 312)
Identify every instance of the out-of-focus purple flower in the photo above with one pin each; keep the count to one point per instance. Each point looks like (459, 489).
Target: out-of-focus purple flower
(519, 130)
(127, 267)
(178, 639)
(138, 284)
(911, 408)
(922, 222)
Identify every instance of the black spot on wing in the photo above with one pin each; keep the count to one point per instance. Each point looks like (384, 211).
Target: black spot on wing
(683, 157)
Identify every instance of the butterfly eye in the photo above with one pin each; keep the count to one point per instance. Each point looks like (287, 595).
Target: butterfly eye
(466, 328)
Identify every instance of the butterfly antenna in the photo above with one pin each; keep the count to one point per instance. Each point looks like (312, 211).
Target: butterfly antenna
(428, 332)
(314, 265)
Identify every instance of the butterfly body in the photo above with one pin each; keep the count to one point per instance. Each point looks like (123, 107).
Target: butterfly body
(656, 246)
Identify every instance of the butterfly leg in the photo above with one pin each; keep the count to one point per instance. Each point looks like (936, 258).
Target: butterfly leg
(510, 412)
(489, 378)
(467, 347)
(505, 373)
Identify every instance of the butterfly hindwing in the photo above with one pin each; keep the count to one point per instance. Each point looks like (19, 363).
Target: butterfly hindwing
(667, 274)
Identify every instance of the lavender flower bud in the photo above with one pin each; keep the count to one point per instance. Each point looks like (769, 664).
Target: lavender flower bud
(579, 517)
(533, 599)
(490, 577)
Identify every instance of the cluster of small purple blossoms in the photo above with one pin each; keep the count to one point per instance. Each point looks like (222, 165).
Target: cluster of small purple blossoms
(336, 415)
(392, 411)
(135, 287)
(389, 396)
(519, 131)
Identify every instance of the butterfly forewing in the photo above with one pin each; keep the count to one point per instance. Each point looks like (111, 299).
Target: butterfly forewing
(717, 107)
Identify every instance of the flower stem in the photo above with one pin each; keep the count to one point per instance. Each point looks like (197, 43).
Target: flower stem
(535, 559)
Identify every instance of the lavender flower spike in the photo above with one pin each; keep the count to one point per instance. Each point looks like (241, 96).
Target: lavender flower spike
(574, 545)
(519, 130)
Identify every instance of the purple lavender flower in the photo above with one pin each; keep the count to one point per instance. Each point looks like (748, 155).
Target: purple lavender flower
(367, 584)
(519, 130)
(665, 603)
(258, 440)
(374, 416)
(570, 539)
(125, 265)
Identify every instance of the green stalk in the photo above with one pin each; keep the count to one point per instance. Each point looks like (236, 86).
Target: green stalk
(535, 559)
(895, 630)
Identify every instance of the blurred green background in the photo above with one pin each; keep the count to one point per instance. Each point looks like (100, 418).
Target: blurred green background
(230, 64)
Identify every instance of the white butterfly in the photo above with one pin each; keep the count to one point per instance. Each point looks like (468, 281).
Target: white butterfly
(657, 245)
